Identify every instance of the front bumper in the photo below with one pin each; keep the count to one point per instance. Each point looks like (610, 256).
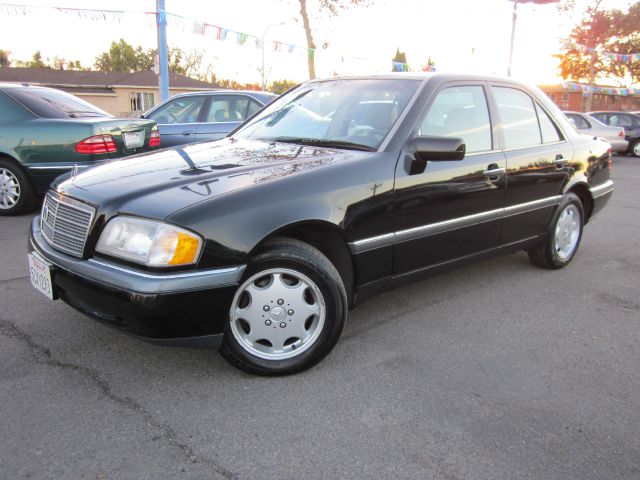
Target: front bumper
(186, 308)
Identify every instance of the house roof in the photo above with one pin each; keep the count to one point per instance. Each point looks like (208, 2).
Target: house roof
(49, 76)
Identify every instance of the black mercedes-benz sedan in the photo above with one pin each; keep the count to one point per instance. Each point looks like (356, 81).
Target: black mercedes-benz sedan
(259, 243)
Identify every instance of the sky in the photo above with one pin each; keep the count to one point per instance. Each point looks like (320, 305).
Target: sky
(470, 36)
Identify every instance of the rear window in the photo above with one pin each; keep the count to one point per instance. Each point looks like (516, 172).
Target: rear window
(50, 103)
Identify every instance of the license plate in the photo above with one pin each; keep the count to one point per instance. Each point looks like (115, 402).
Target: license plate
(40, 273)
(133, 139)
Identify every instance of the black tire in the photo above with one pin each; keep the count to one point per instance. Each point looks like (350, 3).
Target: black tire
(551, 254)
(634, 148)
(13, 181)
(321, 282)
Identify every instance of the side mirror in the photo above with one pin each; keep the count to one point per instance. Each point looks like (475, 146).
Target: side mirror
(438, 149)
(425, 149)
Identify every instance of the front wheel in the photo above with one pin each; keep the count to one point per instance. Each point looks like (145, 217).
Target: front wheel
(288, 313)
(564, 236)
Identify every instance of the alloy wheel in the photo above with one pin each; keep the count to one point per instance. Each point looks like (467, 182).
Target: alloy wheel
(277, 314)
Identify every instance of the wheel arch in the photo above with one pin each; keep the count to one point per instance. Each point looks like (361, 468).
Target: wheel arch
(328, 239)
(581, 190)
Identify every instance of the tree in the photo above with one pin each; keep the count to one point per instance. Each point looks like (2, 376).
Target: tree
(280, 86)
(399, 62)
(123, 57)
(4, 58)
(331, 8)
(611, 31)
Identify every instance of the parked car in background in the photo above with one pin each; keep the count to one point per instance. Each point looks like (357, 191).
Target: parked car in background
(259, 243)
(45, 132)
(198, 117)
(591, 126)
(626, 120)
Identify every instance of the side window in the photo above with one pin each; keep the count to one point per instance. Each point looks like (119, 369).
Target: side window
(228, 109)
(253, 108)
(635, 121)
(620, 120)
(179, 110)
(460, 112)
(10, 111)
(579, 122)
(518, 116)
(549, 130)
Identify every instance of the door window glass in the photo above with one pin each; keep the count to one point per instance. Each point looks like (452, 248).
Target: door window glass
(228, 109)
(579, 122)
(518, 116)
(179, 110)
(460, 112)
(253, 108)
(549, 130)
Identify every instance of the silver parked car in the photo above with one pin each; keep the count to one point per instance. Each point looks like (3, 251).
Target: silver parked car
(205, 116)
(588, 125)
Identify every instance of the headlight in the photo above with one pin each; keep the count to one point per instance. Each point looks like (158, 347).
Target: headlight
(148, 242)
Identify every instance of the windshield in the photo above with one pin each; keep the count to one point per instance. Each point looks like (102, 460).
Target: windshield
(51, 103)
(346, 113)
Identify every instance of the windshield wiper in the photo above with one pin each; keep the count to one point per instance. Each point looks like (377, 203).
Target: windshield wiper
(322, 142)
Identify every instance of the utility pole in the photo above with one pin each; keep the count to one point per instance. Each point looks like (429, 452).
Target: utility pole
(592, 80)
(513, 35)
(161, 23)
(262, 72)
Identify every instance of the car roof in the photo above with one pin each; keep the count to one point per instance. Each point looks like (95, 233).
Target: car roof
(226, 92)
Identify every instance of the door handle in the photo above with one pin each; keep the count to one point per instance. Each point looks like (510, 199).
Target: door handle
(493, 170)
(560, 161)
(188, 132)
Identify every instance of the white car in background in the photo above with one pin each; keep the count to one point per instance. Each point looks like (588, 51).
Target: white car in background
(590, 126)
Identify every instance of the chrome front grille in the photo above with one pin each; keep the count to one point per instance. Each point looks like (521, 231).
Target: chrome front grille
(65, 223)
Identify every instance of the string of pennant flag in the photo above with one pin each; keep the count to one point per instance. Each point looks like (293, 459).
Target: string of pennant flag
(618, 57)
(170, 19)
(578, 87)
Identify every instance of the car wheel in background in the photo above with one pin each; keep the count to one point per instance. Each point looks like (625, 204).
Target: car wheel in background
(634, 148)
(564, 236)
(288, 313)
(16, 192)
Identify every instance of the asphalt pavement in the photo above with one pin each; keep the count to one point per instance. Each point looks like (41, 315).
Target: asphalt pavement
(500, 370)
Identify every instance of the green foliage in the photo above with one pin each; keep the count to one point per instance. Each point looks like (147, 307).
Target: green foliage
(4, 58)
(123, 57)
(401, 57)
(612, 31)
(280, 86)
(35, 62)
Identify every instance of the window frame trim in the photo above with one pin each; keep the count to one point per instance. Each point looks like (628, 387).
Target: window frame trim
(493, 124)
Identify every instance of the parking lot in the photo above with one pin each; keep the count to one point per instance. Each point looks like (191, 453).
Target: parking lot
(500, 370)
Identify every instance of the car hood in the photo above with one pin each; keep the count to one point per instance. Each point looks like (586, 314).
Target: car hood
(157, 184)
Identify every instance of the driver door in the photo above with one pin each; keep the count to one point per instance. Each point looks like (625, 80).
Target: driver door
(448, 210)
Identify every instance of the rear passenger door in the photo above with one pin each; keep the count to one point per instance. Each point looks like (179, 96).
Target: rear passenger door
(224, 113)
(539, 161)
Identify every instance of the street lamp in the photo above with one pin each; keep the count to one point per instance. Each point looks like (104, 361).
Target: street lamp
(264, 80)
(514, 18)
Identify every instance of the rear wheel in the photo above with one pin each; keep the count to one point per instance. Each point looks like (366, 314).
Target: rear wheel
(288, 313)
(16, 193)
(564, 236)
(634, 148)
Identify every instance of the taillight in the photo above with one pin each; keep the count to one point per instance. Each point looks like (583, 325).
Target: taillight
(154, 139)
(621, 133)
(97, 144)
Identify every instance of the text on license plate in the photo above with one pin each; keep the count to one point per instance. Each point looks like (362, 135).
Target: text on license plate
(40, 273)
(133, 139)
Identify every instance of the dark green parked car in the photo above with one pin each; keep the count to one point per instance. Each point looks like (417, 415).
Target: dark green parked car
(46, 132)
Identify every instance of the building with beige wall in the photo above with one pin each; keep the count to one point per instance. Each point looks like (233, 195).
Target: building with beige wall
(120, 94)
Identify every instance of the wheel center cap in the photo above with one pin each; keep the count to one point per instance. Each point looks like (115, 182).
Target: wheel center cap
(278, 314)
